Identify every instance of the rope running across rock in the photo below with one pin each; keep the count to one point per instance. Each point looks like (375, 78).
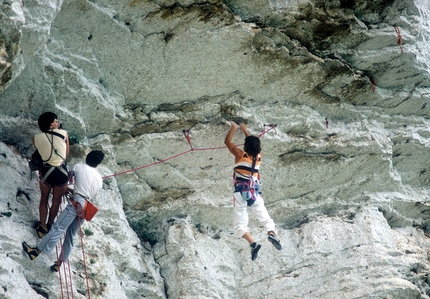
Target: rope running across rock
(192, 149)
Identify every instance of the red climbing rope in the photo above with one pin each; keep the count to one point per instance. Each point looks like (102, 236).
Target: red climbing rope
(83, 256)
(69, 285)
(399, 38)
(187, 136)
(70, 277)
(148, 165)
(67, 280)
(59, 273)
(271, 126)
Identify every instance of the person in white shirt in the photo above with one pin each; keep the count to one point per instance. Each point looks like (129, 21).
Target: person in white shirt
(87, 183)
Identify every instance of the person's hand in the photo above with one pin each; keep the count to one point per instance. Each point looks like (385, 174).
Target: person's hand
(243, 127)
(233, 125)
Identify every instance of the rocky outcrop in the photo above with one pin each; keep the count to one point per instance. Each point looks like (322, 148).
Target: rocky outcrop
(344, 85)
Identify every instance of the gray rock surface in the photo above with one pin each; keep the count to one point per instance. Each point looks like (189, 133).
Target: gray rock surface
(345, 172)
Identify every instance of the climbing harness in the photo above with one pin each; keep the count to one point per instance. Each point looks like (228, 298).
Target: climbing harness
(248, 186)
(35, 162)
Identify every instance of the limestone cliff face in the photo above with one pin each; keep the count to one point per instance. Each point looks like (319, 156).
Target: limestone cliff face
(346, 169)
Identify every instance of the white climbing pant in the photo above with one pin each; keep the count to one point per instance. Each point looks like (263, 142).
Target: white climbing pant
(240, 214)
(67, 222)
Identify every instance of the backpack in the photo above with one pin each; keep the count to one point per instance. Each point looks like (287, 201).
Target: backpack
(35, 162)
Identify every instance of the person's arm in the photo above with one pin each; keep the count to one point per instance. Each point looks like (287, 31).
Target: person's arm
(244, 129)
(229, 142)
(67, 146)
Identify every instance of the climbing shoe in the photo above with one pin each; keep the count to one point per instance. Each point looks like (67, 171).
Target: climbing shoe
(41, 229)
(272, 239)
(55, 266)
(254, 250)
(32, 252)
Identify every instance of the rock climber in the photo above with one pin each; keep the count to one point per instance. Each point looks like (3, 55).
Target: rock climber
(87, 183)
(247, 189)
(53, 146)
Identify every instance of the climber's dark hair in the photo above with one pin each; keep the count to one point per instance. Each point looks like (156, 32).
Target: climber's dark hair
(44, 121)
(252, 145)
(94, 158)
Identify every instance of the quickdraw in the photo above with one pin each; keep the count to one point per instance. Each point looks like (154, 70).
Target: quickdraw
(187, 136)
(399, 37)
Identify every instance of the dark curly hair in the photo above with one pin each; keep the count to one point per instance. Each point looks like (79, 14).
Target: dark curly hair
(44, 121)
(252, 145)
(94, 158)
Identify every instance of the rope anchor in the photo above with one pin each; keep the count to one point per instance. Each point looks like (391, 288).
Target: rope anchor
(187, 135)
(271, 126)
